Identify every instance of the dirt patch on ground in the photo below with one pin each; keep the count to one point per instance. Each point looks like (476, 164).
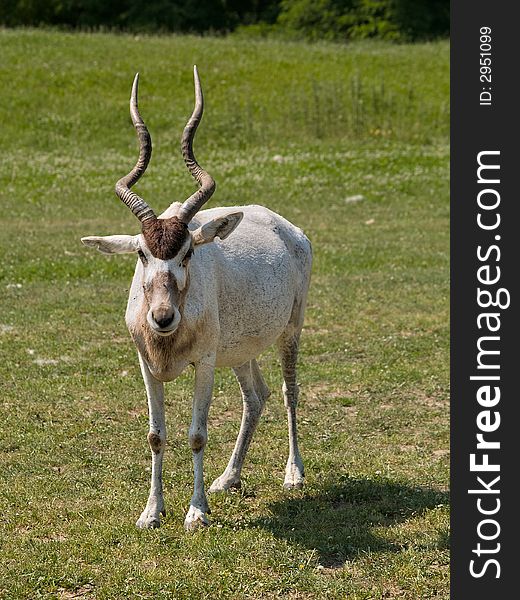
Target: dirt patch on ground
(84, 591)
(441, 453)
(432, 401)
(225, 416)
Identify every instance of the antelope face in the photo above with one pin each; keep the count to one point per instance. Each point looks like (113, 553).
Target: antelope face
(165, 248)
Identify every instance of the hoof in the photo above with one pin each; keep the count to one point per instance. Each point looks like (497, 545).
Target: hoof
(293, 485)
(224, 484)
(148, 522)
(195, 519)
(294, 475)
(150, 519)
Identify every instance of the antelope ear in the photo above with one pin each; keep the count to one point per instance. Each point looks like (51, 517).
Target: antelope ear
(113, 244)
(220, 227)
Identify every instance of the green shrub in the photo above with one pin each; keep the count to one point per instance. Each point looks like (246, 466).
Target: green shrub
(341, 20)
(403, 20)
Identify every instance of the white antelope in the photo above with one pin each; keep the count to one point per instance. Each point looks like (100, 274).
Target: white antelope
(199, 301)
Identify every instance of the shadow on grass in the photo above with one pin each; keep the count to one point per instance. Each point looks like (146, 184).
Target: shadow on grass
(338, 519)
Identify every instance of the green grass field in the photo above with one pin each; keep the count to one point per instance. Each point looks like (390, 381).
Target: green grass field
(360, 136)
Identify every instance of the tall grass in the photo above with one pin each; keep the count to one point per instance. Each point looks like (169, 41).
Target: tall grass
(258, 93)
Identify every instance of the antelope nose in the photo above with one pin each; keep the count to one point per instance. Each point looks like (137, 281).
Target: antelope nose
(163, 320)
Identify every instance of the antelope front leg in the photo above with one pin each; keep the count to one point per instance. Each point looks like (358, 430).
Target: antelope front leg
(198, 436)
(150, 517)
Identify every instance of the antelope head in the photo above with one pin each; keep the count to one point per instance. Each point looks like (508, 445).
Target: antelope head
(165, 245)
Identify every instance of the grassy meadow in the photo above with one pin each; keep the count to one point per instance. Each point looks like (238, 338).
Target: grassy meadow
(348, 142)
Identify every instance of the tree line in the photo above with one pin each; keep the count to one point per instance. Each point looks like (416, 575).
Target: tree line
(338, 20)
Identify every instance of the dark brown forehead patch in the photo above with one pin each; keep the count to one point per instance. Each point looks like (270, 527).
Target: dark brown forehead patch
(165, 237)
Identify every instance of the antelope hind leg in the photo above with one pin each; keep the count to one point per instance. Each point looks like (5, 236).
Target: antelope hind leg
(288, 346)
(254, 394)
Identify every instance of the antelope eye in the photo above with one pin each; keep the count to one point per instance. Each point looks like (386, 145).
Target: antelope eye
(142, 256)
(187, 256)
